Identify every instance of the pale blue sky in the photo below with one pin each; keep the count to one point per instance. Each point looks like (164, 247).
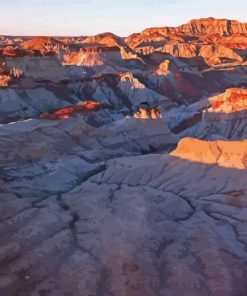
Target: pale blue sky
(122, 17)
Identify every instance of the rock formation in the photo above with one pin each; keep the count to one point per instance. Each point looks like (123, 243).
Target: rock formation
(232, 100)
(4, 80)
(123, 163)
(145, 112)
(92, 56)
(226, 154)
(66, 112)
(42, 44)
(213, 26)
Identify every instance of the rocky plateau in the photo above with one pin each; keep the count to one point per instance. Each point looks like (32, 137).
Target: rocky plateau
(123, 163)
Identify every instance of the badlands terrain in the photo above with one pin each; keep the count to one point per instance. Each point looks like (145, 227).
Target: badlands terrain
(123, 163)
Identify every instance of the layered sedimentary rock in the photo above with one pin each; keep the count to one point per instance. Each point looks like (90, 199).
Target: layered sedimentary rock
(218, 54)
(213, 39)
(93, 56)
(111, 40)
(213, 26)
(107, 39)
(183, 50)
(123, 163)
(223, 116)
(197, 27)
(42, 44)
(232, 100)
(42, 68)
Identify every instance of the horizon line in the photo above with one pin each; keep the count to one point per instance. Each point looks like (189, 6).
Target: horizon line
(111, 32)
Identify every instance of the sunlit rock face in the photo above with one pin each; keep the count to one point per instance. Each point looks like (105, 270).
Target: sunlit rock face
(232, 100)
(164, 68)
(238, 41)
(216, 54)
(4, 80)
(42, 44)
(181, 50)
(93, 56)
(213, 26)
(123, 163)
(111, 40)
(11, 51)
(197, 27)
(222, 116)
(227, 154)
(64, 113)
(107, 39)
(212, 39)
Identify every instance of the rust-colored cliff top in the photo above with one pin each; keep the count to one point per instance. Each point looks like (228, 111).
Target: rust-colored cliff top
(232, 100)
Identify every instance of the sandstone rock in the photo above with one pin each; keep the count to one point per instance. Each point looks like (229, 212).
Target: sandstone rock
(4, 80)
(213, 26)
(233, 41)
(232, 100)
(182, 50)
(42, 44)
(66, 112)
(107, 39)
(213, 39)
(164, 68)
(96, 204)
(226, 154)
(218, 54)
(207, 26)
(93, 56)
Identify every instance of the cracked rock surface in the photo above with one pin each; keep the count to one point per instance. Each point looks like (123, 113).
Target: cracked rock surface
(123, 162)
(140, 225)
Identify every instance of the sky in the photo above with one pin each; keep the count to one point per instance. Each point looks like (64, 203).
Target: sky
(122, 17)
